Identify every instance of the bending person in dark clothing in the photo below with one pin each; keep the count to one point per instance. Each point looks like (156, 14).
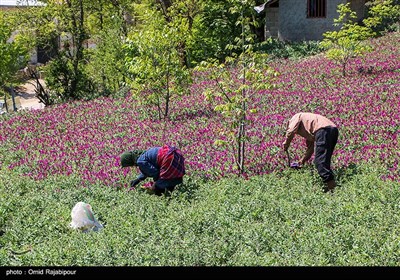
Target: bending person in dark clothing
(165, 165)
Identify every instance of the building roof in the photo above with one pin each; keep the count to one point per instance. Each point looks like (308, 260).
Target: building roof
(20, 3)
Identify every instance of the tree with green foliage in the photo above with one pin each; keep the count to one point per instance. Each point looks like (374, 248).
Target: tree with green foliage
(349, 41)
(108, 25)
(207, 26)
(66, 29)
(217, 27)
(156, 72)
(183, 15)
(233, 88)
(84, 39)
(60, 27)
(13, 50)
(383, 15)
(65, 74)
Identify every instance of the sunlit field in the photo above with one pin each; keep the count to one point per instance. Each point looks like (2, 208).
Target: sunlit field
(52, 158)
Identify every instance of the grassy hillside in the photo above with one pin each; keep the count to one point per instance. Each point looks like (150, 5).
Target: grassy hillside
(277, 219)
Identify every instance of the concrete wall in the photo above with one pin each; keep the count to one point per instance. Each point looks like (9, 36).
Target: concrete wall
(289, 21)
(295, 26)
(271, 22)
(359, 7)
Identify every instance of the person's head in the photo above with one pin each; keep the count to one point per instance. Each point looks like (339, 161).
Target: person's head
(130, 158)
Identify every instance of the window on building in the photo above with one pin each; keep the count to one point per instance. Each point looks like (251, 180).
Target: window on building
(316, 8)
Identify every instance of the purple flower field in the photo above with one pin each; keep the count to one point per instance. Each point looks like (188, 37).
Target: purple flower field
(86, 138)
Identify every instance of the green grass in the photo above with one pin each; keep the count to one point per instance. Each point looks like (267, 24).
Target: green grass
(281, 219)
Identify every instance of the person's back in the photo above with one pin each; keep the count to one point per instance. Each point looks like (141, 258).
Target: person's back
(147, 163)
(306, 124)
(321, 134)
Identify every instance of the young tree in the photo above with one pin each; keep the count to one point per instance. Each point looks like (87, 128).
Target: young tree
(242, 74)
(65, 74)
(108, 26)
(13, 50)
(349, 41)
(154, 63)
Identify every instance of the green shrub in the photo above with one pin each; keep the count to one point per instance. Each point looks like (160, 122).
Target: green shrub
(279, 49)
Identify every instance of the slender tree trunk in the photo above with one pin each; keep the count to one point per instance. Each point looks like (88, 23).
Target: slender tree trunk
(165, 4)
(13, 99)
(78, 37)
(344, 69)
(241, 141)
(5, 102)
(240, 149)
(167, 97)
(159, 108)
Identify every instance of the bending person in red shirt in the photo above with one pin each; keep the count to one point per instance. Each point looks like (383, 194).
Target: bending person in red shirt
(321, 135)
(165, 165)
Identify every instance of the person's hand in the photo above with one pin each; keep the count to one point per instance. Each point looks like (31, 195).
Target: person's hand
(149, 187)
(134, 183)
(296, 165)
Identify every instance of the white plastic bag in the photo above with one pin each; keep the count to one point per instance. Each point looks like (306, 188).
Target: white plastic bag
(83, 218)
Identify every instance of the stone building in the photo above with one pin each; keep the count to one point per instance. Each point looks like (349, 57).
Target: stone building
(304, 20)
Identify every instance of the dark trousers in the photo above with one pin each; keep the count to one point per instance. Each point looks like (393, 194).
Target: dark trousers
(325, 142)
(170, 186)
(159, 191)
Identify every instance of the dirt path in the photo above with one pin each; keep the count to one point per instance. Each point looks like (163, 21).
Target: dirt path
(26, 92)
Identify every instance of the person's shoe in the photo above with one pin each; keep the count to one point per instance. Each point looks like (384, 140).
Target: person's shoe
(330, 186)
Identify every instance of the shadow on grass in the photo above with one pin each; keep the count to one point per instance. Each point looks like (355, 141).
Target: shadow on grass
(188, 188)
(345, 173)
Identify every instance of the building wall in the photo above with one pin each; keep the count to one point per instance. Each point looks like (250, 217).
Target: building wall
(271, 22)
(295, 26)
(359, 7)
(289, 21)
